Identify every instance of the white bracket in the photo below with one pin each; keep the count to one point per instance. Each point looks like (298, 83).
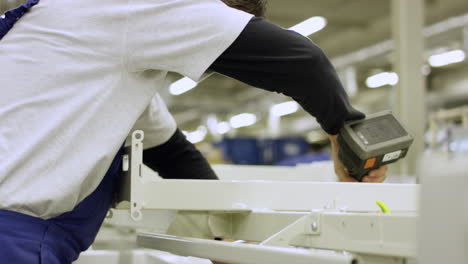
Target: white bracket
(138, 173)
(307, 225)
(135, 169)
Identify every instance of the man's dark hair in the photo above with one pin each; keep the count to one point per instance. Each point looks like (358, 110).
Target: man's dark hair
(254, 7)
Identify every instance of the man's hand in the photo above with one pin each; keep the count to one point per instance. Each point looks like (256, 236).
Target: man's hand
(377, 175)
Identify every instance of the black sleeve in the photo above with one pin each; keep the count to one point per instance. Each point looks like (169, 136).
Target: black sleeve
(275, 59)
(178, 159)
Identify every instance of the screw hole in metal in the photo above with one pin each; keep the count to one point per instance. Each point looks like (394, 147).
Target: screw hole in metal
(314, 226)
(136, 214)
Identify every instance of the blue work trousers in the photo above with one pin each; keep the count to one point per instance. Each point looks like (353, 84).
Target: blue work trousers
(30, 240)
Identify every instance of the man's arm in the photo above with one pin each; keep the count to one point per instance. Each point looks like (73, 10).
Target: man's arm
(279, 60)
(168, 151)
(275, 59)
(178, 159)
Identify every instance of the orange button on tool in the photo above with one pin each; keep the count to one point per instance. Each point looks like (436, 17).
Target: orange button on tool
(369, 163)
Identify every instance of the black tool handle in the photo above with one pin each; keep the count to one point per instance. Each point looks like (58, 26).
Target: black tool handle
(350, 160)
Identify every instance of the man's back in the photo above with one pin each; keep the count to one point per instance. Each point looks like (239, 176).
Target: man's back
(75, 77)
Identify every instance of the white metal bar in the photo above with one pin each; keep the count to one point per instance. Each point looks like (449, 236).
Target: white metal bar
(149, 191)
(279, 196)
(242, 253)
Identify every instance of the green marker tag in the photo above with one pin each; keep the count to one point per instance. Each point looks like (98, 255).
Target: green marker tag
(383, 208)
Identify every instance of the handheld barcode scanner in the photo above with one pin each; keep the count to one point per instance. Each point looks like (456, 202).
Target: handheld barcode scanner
(367, 144)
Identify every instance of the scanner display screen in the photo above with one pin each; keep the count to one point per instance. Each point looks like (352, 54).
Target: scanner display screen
(377, 130)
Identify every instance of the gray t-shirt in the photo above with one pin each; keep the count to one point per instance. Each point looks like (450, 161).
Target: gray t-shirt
(77, 75)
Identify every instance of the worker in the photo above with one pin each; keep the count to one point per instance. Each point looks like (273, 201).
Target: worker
(77, 76)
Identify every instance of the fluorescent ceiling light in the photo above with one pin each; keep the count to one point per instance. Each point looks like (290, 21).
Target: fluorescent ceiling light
(310, 26)
(181, 86)
(447, 58)
(196, 136)
(223, 127)
(285, 108)
(212, 123)
(382, 79)
(243, 120)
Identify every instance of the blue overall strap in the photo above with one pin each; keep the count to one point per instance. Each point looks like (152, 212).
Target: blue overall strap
(11, 16)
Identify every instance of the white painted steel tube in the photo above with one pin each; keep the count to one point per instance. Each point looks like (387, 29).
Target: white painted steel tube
(275, 195)
(242, 253)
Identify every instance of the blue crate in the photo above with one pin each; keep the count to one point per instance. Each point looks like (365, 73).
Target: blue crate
(242, 151)
(275, 150)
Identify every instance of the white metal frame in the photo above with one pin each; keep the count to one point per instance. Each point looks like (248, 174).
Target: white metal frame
(278, 215)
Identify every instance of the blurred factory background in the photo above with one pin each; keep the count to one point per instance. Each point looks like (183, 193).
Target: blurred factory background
(234, 123)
